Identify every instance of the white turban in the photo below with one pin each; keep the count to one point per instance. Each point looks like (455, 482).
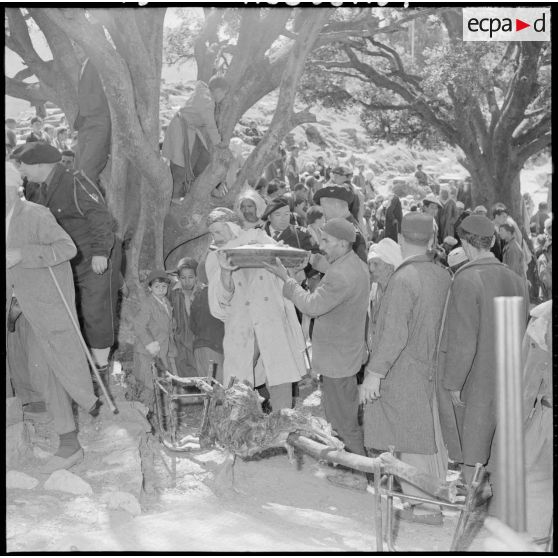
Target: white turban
(457, 256)
(252, 195)
(388, 251)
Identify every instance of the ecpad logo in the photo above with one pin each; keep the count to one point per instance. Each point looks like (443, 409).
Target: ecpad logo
(506, 24)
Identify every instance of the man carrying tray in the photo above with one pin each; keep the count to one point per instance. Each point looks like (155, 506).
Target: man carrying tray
(263, 341)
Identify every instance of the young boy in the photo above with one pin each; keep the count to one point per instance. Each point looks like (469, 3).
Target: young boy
(153, 326)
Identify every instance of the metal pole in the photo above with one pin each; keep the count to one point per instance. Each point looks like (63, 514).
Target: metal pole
(510, 451)
(111, 404)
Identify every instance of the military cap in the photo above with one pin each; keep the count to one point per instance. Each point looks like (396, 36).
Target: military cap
(160, 274)
(340, 228)
(417, 227)
(431, 198)
(35, 153)
(478, 224)
(274, 205)
(336, 192)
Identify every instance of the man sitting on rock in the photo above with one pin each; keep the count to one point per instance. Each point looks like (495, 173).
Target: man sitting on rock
(36, 246)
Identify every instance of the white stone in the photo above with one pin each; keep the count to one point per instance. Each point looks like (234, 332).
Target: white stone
(122, 500)
(64, 481)
(17, 479)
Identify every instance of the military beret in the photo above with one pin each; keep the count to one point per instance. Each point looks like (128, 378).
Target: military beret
(274, 205)
(158, 274)
(342, 171)
(336, 192)
(431, 198)
(340, 228)
(478, 224)
(417, 227)
(35, 153)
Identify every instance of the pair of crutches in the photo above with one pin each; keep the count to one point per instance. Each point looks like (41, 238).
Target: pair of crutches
(84, 346)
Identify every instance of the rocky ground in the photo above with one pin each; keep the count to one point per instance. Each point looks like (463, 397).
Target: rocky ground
(131, 494)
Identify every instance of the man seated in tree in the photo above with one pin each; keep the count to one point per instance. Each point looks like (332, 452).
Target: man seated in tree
(191, 134)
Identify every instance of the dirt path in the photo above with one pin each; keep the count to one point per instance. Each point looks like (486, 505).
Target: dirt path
(276, 505)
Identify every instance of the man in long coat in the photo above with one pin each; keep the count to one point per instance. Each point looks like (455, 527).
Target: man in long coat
(399, 384)
(263, 340)
(469, 370)
(79, 208)
(35, 243)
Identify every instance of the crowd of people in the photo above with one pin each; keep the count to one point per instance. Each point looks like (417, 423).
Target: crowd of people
(392, 309)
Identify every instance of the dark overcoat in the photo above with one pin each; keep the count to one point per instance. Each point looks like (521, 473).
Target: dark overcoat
(468, 355)
(403, 352)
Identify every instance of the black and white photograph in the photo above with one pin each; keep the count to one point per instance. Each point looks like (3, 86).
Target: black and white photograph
(278, 278)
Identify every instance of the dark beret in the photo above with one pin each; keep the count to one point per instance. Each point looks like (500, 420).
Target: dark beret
(340, 228)
(336, 192)
(417, 227)
(478, 224)
(274, 205)
(35, 153)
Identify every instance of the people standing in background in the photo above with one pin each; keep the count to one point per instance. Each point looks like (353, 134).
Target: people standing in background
(540, 217)
(50, 133)
(37, 133)
(61, 141)
(11, 137)
(512, 255)
(394, 216)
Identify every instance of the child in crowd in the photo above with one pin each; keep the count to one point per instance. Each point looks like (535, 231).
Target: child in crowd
(153, 326)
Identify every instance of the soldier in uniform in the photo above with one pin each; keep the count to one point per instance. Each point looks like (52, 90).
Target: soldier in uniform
(79, 208)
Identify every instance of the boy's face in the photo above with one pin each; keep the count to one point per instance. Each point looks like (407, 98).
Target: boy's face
(159, 288)
(187, 279)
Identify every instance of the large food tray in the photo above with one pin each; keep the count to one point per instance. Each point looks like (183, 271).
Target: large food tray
(254, 255)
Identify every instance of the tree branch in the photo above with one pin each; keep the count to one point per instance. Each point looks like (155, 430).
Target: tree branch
(534, 147)
(527, 136)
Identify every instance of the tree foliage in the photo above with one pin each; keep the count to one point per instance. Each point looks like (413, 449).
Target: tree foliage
(492, 100)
